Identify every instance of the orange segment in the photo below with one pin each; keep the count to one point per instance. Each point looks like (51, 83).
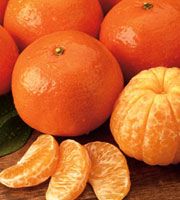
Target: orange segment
(37, 165)
(109, 176)
(72, 172)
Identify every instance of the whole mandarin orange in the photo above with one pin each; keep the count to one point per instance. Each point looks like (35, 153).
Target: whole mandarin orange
(143, 35)
(28, 20)
(8, 56)
(108, 4)
(146, 119)
(3, 4)
(66, 83)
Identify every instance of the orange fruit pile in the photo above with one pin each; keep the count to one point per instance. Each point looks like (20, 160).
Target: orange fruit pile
(28, 20)
(146, 119)
(66, 83)
(70, 166)
(8, 56)
(138, 40)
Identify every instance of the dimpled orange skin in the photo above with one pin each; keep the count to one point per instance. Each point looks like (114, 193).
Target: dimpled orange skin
(108, 4)
(28, 20)
(67, 94)
(3, 4)
(146, 119)
(8, 56)
(142, 38)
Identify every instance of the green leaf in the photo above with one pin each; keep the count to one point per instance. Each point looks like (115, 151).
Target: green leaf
(14, 133)
(7, 109)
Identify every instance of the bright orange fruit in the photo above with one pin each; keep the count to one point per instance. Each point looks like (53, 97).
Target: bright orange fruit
(28, 20)
(72, 173)
(109, 175)
(146, 119)
(3, 4)
(37, 164)
(8, 56)
(143, 34)
(66, 83)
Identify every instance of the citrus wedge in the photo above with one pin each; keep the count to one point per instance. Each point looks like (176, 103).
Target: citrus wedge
(72, 173)
(36, 166)
(109, 175)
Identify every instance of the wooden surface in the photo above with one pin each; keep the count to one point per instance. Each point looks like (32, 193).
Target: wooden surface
(148, 183)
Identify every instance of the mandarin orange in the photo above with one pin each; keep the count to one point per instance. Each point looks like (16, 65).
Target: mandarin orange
(28, 20)
(146, 119)
(3, 4)
(66, 83)
(8, 56)
(138, 40)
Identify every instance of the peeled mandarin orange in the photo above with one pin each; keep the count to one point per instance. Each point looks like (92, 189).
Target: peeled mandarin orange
(66, 83)
(146, 119)
(8, 56)
(109, 175)
(72, 173)
(28, 20)
(36, 166)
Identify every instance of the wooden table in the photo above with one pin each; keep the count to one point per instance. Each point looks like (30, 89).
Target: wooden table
(148, 183)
